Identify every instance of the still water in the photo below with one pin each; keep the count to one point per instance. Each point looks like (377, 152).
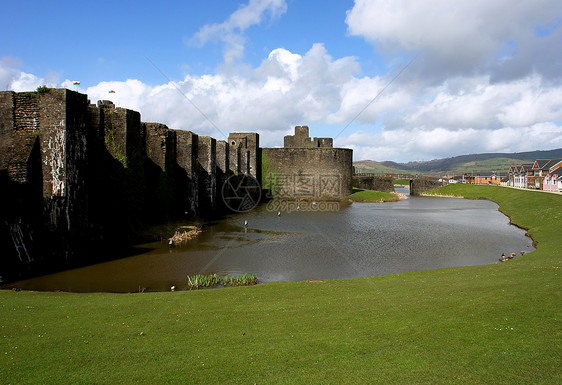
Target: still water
(358, 240)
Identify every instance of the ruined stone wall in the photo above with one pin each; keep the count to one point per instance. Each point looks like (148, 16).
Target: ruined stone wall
(383, 184)
(44, 160)
(301, 139)
(419, 186)
(74, 174)
(323, 142)
(207, 175)
(78, 180)
(21, 199)
(235, 159)
(160, 171)
(19, 125)
(308, 173)
(187, 185)
(244, 153)
(222, 158)
(117, 166)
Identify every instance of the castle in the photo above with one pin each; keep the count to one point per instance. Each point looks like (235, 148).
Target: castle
(77, 176)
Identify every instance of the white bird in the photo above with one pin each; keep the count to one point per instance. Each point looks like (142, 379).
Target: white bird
(173, 288)
(245, 223)
(278, 213)
(170, 242)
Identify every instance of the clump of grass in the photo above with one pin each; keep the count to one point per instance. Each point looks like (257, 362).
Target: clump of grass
(360, 195)
(241, 280)
(42, 90)
(203, 281)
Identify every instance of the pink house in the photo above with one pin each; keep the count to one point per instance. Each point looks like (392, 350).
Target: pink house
(553, 181)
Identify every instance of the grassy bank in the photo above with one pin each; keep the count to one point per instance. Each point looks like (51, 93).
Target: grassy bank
(360, 195)
(494, 324)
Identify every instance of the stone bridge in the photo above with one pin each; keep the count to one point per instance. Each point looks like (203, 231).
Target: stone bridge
(384, 182)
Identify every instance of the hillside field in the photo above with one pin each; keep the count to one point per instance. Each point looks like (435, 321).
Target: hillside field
(497, 163)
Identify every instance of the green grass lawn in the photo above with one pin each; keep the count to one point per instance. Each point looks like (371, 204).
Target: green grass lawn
(492, 324)
(360, 195)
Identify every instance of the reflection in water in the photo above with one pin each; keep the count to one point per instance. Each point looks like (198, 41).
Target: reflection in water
(361, 239)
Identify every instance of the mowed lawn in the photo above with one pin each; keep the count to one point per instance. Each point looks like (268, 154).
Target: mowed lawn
(493, 324)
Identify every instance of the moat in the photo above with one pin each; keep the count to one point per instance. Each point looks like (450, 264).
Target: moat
(358, 240)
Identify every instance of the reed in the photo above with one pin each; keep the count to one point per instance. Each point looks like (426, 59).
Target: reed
(202, 281)
(241, 280)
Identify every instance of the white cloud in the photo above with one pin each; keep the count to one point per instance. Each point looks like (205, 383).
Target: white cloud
(231, 31)
(287, 89)
(12, 78)
(462, 37)
(410, 120)
(425, 144)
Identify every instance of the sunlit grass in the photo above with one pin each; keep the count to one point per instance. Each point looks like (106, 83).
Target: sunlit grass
(360, 195)
(492, 324)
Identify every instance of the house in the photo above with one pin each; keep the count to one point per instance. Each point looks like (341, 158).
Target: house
(483, 179)
(521, 174)
(538, 172)
(513, 171)
(535, 175)
(553, 180)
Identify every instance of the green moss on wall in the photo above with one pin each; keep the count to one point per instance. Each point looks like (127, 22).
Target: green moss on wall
(271, 177)
(116, 150)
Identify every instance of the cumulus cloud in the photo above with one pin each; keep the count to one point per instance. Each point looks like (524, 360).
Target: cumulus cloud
(464, 37)
(461, 115)
(419, 144)
(12, 78)
(287, 89)
(231, 31)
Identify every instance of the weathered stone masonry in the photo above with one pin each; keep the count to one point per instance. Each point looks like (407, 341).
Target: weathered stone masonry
(78, 179)
(307, 170)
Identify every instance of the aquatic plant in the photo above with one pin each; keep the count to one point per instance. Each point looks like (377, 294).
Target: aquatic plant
(203, 281)
(200, 281)
(241, 280)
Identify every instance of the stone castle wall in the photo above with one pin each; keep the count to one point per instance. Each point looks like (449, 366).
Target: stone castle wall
(377, 183)
(78, 179)
(301, 139)
(307, 169)
(308, 173)
(419, 186)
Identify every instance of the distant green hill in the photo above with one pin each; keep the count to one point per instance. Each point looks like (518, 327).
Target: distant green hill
(370, 166)
(474, 163)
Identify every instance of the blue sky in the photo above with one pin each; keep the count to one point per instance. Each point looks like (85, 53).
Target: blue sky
(474, 76)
